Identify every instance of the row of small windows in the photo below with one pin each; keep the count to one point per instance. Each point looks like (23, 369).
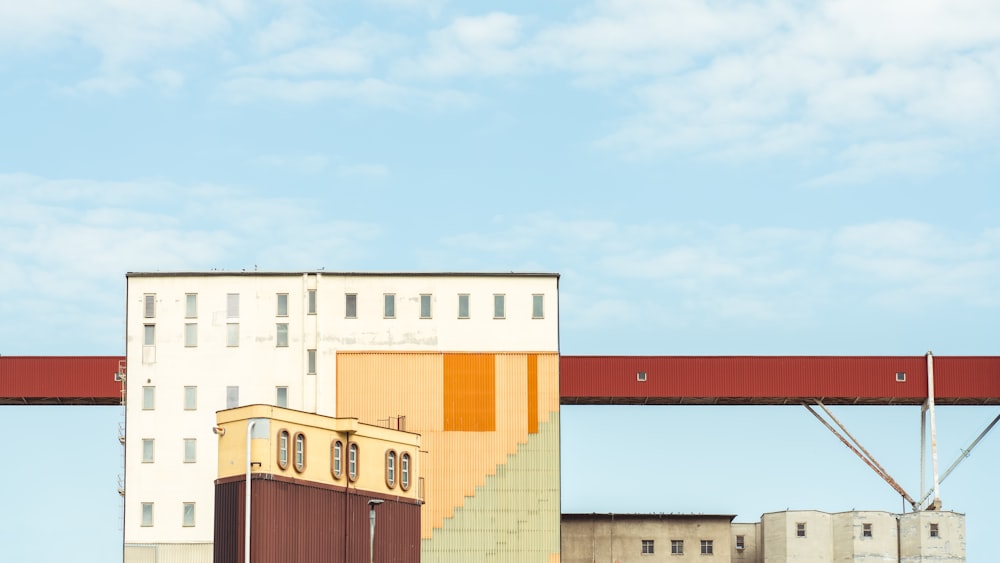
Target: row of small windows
(190, 450)
(866, 531)
(350, 306)
(187, 514)
(648, 547)
(191, 397)
(297, 442)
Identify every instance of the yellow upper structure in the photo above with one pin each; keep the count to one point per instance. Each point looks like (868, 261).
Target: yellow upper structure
(321, 449)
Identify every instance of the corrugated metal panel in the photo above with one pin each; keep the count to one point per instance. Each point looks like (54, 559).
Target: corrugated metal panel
(470, 401)
(59, 379)
(458, 463)
(967, 377)
(296, 521)
(774, 379)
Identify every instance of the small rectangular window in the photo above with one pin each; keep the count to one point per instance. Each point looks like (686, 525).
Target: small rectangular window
(935, 532)
(866, 530)
(425, 306)
(232, 335)
(232, 397)
(677, 547)
(148, 450)
(706, 547)
(311, 362)
(463, 305)
(149, 305)
(232, 305)
(148, 335)
(740, 542)
(190, 398)
(800, 529)
(147, 514)
(190, 335)
(389, 308)
(282, 305)
(190, 450)
(188, 518)
(499, 309)
(647, 547)
(537, 306)
(191, 305)
(351, 306)
(312, 301)
(282, 337)
(900, 376)
(281, 396)
(148, 398)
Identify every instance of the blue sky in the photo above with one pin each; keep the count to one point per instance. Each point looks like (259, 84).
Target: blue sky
(708, 177)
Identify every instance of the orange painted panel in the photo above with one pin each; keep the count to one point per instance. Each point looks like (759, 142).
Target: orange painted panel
(533, 393)
(469, 393)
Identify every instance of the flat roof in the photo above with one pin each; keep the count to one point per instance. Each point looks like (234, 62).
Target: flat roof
(638, 516)
(212, 273)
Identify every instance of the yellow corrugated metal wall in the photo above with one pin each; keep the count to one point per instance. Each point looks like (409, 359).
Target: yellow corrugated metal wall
(489, 425)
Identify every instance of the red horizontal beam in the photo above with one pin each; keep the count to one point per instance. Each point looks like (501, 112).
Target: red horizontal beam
(60, 380)
(775, 380)
(765, 380)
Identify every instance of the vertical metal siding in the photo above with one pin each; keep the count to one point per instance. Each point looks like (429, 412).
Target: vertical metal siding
(88, 378)
(304, 523)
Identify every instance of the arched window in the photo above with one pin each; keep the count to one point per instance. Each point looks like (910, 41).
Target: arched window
(352, 462)
(390, 469)
(283, 449)
(300, 452)
(337, 459)
(404, 471)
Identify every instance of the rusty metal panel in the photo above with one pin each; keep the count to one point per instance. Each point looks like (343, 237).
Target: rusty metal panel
(774, 379)
(307, 522)
(60, 379)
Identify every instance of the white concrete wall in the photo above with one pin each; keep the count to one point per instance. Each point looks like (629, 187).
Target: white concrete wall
(257, 366)
(917, 545)
(851, 544)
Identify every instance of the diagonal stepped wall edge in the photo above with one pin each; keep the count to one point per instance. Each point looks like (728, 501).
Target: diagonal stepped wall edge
(514, 516)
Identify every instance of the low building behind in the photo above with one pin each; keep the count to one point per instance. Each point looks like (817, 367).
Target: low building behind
(804, 536)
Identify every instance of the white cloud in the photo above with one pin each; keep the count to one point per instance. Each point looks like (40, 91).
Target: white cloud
(471, 45)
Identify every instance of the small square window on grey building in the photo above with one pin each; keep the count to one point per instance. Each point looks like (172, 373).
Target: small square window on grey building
(647, 547)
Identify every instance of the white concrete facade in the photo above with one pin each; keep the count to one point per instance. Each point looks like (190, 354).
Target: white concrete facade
(230, 339)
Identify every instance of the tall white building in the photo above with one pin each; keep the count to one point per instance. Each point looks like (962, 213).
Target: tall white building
(469, 361)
